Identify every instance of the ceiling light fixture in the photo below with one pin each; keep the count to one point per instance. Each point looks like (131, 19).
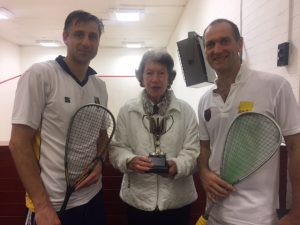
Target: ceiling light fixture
(134, 44)
(5, 13)
(49, 43)
(128, 15)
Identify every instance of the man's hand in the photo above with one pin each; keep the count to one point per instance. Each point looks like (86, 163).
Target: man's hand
(292, 218)
(93, 178)
(46, 215)
(214, 186)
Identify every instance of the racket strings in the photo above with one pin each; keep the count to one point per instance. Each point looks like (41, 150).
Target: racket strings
(82, 143)
(252, 139)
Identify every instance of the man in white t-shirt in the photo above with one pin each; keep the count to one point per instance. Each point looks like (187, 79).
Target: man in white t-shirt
(238, 89)
(47, 96)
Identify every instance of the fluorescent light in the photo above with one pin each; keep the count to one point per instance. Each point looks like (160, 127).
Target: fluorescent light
(127, 15)
(49, 43)
(5, 13)
(134, 44)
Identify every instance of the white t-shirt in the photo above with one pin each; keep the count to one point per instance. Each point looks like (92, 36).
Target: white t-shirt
(46, 98)
(256, 198)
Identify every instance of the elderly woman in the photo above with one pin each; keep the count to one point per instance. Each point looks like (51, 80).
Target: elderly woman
(156, 198)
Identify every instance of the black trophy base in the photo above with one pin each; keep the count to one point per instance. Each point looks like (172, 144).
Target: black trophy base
(160, 164)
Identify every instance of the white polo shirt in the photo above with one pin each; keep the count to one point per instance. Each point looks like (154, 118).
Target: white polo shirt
(46, 98)
(256, 198)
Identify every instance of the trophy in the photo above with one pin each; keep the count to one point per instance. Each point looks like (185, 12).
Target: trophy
(158, 126)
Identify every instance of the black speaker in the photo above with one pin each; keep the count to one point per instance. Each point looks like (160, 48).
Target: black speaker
(194, 67)
(283, 54)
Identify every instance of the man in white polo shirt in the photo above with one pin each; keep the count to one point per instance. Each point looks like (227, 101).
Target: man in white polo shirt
(47, 96)
(238, 89)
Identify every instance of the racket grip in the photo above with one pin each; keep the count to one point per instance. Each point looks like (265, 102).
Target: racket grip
(201, 221)
(101, 159)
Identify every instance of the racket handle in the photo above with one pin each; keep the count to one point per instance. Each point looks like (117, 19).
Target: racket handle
(201, 221)
(101, 159)
(69, 192)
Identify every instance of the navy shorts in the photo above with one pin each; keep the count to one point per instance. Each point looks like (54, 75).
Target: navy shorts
(91, 213)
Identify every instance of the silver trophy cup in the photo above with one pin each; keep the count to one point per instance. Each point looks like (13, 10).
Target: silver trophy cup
(158, 126)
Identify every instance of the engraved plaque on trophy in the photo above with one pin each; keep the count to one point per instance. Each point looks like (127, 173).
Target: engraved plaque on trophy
(158, 126)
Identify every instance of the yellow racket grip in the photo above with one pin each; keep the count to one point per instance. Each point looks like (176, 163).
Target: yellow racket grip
(201, 221)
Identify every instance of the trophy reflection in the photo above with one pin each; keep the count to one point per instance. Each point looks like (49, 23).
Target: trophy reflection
(158, 126)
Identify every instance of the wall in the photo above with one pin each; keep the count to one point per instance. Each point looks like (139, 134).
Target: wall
(11, 191)
(9, 67)
(10, 59)
(265, 25)
(120, 66)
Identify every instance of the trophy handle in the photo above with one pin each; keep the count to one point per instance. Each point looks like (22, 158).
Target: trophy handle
(150, 123)
(172, 119)
(156, 126)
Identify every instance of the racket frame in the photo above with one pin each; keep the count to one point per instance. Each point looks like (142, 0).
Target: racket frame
(71, 188)
(203, 219)
(269, 156)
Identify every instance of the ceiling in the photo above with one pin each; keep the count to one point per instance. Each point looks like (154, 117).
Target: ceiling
(44, 19)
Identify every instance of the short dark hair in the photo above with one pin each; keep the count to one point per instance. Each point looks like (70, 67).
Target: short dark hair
(159, 56)
(235, 30)
(82, 16)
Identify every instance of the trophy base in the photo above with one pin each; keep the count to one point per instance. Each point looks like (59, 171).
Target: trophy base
(160, 164)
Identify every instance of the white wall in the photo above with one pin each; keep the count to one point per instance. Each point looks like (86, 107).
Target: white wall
(267, 24)
(35, 54)
(10, 59)
(120, 65)
(9, 67)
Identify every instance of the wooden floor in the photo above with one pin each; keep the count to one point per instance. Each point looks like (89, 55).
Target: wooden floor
(12, 194)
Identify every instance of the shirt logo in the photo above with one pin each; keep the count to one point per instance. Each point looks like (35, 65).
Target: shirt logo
(207, 115)
(67, 100)
(97, 100)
